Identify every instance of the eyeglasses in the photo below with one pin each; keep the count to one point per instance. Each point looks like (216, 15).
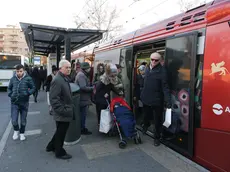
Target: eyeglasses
(156, 60)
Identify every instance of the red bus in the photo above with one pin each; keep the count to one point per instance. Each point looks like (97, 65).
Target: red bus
(195, 46)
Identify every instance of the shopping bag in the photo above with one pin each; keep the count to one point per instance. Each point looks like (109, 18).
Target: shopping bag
(168, 117)
(140, 104)
(106, 121)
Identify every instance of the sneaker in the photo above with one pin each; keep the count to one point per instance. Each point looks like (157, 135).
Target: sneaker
(85, 131)
(22, 137)
(15, 136)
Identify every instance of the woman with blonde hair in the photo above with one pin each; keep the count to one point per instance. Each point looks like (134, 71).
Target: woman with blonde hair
(103, 88)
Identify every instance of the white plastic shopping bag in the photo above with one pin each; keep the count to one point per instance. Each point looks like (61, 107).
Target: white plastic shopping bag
(140, 104)
(106, 121)
(168, 117)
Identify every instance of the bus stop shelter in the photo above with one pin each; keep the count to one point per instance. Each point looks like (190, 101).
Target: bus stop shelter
(43, 40)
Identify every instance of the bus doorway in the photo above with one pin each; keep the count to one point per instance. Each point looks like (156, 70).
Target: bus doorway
(142, 57)
(180, 53)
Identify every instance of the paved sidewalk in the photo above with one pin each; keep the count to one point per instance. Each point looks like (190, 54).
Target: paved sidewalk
(95, 153)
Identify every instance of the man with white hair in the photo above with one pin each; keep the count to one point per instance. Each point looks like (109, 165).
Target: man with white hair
(155, 95)
(62, 109)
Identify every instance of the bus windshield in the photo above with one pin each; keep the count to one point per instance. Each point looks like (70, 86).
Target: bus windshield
(9, 61)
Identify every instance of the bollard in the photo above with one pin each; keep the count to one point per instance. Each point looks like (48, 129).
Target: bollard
(73, 135)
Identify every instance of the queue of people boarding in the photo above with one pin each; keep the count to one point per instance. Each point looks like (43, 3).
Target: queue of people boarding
(153, 93)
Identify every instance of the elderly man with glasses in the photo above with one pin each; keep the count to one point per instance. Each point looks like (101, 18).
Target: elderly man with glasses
(155, 95)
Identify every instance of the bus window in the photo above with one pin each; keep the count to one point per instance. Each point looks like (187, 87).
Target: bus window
(9, 62)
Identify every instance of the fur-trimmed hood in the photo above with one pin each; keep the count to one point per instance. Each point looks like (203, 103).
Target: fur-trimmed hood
(110, 75)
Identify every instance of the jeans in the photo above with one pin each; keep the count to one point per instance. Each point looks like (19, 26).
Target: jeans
(56, 143)
(17, 109)
(83, 112)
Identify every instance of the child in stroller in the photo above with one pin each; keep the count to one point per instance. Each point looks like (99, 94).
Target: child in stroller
(124, 121)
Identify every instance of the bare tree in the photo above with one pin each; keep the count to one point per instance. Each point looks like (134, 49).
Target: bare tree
(186, 5)
(99, 15)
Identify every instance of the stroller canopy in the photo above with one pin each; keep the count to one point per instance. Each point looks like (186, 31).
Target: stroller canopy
(120, 101)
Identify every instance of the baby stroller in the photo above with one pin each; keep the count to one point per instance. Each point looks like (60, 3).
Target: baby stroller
(124, 121)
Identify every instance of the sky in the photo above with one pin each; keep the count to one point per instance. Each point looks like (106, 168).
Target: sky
(61, 13)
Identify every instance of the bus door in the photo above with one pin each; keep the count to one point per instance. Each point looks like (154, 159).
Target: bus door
(126, 62)
(180, 59)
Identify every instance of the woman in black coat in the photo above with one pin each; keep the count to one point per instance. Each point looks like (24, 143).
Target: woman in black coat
(37, 81)
(103, 88)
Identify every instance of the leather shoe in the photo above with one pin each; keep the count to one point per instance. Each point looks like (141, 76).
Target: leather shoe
(66, 156)
(49, 150)
(157, 142)
(85, 131)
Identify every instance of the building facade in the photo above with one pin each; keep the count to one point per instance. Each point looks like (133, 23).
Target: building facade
(12, 40)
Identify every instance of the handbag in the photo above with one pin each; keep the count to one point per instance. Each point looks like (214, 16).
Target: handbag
(106, 121)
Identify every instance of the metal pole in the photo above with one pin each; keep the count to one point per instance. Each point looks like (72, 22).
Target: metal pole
(58, 52)
(67, 48)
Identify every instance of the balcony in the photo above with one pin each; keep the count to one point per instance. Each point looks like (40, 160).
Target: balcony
(13, 34)
(13, 46)
(13, 41)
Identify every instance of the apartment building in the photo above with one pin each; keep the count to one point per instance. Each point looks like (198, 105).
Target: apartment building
(12, 40)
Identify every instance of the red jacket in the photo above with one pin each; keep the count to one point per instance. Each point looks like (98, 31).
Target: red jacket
(118, 100)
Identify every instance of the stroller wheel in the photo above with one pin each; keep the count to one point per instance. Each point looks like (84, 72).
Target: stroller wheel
(135, 139)
(122, 144)
(110, 134)
(139, 140)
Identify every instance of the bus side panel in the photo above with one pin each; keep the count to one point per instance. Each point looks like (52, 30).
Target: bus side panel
(212, 149)
(216, 79)
(213, 138)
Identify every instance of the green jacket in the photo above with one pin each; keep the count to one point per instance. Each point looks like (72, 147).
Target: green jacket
(19, 90)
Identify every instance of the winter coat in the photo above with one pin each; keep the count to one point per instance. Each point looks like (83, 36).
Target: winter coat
(19, 90)
(156, 90)
(85, 89)
(61, 98)
(36, 78)
(138, 87)
(103, 87)
(48, 82)
(43, 74)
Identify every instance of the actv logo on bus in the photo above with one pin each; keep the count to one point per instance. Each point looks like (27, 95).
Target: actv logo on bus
(219, 109)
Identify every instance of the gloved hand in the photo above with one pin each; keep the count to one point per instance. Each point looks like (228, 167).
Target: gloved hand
(106, 95)
(168, 105)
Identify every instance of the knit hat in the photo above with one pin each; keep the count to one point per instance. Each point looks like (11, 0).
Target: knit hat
(142, 68)
(85, 65)
(111, 69)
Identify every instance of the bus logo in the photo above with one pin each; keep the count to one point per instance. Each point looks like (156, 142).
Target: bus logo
(219, 67)
(217, 109)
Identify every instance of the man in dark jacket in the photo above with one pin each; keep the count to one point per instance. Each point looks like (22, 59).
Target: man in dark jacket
(20, 88)
(155, 94)
(62, 109)
(82, 79)
(48, 83)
